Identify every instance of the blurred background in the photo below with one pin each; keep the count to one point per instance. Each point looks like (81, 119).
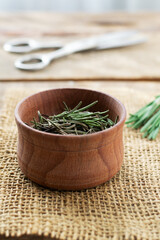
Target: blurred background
(80, 5)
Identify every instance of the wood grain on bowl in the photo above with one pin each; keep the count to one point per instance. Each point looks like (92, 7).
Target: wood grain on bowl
(69, 162)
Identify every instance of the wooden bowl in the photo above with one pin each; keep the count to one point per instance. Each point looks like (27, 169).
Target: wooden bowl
(69, 162)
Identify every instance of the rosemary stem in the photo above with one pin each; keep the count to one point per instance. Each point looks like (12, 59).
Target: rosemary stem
(76, 121)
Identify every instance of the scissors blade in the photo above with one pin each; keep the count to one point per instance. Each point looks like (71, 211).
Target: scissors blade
(121, 42)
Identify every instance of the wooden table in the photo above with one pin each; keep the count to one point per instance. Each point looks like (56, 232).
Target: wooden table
(139, 62)
(82, 70)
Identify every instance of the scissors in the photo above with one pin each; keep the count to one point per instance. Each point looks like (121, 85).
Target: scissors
(39, 61)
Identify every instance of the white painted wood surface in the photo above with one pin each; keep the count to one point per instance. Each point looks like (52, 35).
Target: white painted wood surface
(79, 5)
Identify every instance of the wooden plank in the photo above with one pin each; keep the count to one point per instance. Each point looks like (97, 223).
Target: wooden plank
(133, 63)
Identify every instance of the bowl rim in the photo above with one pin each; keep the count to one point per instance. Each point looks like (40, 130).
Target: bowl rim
(19, 120)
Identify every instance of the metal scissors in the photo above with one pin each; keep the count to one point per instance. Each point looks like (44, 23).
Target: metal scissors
(39, 61)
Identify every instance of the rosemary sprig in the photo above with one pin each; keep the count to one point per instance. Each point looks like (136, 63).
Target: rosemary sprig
(147, 118)
(78, 121)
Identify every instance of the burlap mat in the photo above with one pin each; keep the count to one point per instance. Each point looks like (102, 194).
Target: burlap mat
(126, 207)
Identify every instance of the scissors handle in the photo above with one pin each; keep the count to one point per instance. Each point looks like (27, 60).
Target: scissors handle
(25, 45)
(40, 61)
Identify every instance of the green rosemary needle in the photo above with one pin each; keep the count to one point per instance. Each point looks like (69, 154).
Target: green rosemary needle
(147, 118)
(78, 121)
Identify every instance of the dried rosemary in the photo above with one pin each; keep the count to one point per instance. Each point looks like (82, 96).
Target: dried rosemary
(76, 121)
(147, 118)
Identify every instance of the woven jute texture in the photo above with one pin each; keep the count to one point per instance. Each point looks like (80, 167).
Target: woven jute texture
(126, 207)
